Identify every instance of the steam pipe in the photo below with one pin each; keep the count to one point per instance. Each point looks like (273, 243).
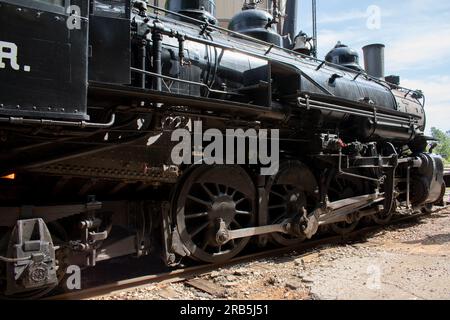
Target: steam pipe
(143, 61)
(157, 38)
(314, 22)
(291, 23)
(47, 122)
(161, 76)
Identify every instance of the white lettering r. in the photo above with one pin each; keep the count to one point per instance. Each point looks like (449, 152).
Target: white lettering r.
(8, 50)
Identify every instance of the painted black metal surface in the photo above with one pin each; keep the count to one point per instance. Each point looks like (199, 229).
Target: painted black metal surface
(110, 42)
(258, 24)
(43, 70)
(204, 10)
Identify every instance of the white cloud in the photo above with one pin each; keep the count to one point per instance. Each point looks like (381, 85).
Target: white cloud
(419, 50)
(425, 6)
(342, 17)
(437, 87)
(346, 16)
(437, 93)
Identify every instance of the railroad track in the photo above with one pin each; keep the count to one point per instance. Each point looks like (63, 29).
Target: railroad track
(185, 274)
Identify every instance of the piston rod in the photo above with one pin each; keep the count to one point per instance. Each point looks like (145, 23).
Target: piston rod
(337, 211)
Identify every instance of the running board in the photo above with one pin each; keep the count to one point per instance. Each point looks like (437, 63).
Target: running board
(340, 210)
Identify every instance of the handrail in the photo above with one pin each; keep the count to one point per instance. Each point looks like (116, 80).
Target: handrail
(136, 70)
(313, 104)
(59, 123)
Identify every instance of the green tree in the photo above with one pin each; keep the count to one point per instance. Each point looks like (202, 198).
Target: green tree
(443, 139)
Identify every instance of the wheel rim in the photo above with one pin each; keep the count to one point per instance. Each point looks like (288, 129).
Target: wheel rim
(428, 208)
(383, 218)
(287, 197)
(344, 228)
(341, 189)
(209, 195)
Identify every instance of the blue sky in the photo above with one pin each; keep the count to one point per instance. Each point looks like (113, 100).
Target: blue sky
(417, 38)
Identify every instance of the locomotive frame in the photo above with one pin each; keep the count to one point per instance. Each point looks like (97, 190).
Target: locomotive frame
(100, 124)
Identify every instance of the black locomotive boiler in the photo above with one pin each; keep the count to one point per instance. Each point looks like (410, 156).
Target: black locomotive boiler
(91, 92)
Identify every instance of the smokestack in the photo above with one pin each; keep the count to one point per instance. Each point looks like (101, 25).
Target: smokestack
(374, 60)
(291, 23)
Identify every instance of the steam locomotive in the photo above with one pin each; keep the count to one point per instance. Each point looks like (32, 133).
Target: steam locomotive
(92, 91)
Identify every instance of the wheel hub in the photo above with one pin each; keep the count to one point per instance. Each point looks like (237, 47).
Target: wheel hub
(291, 191)
(296, 202)
(223, 208)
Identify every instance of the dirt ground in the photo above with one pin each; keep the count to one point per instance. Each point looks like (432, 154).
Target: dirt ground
(410, 261)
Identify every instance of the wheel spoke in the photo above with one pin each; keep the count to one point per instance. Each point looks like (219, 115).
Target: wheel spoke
(205, 245)
(243, 213)
(280, 218)
(334, 190)
(196, 215)
(277, 206)
(240, 201)
(278, 194)
(211, 196)
(198, 200)
(199, 229)
(237, 224)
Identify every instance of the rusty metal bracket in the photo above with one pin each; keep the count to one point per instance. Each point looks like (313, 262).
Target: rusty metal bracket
(171, 241)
